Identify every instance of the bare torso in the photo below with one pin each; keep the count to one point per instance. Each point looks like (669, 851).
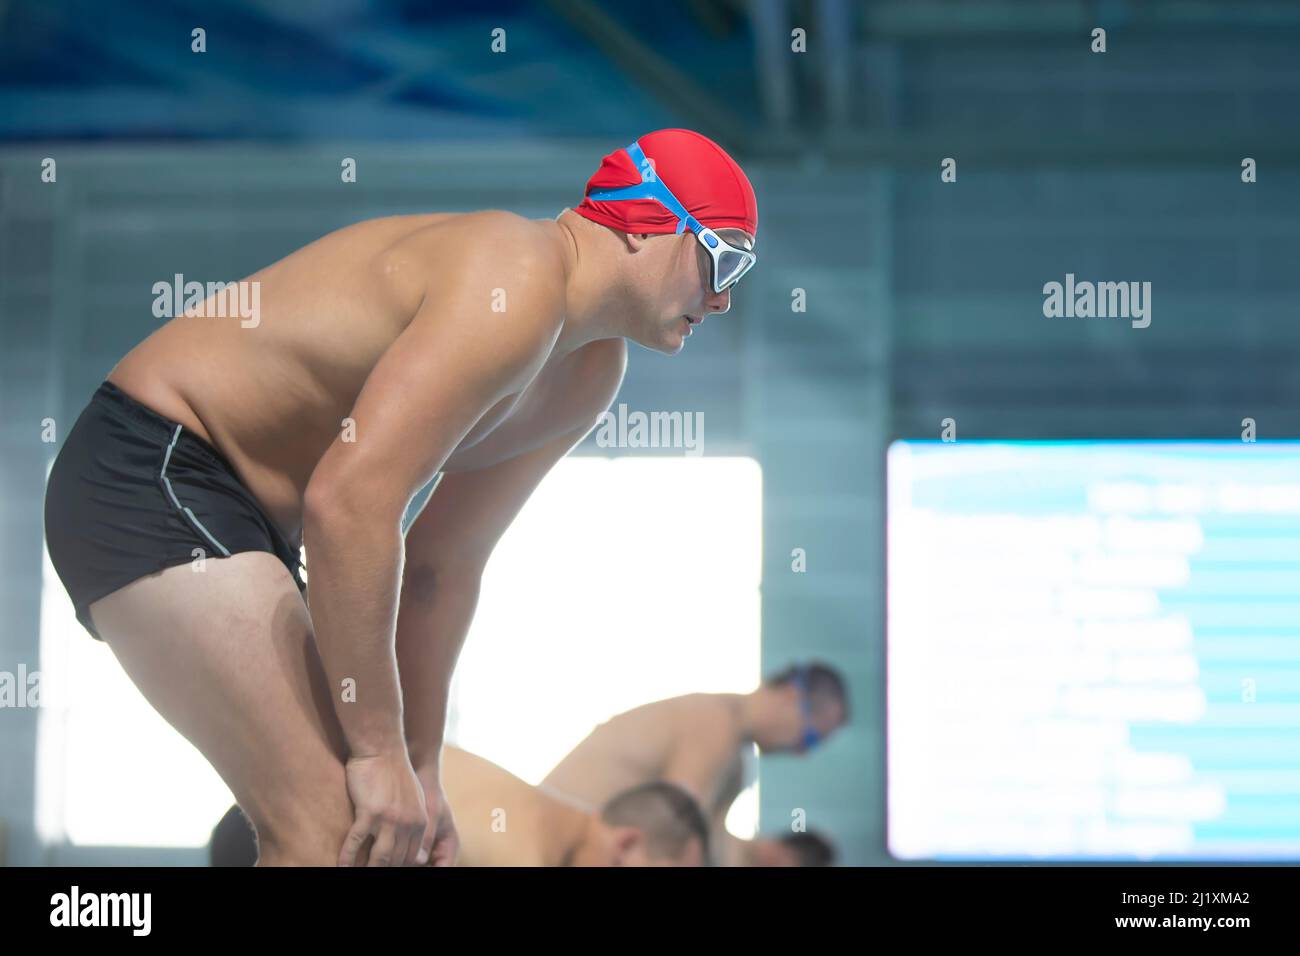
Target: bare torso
(272, 396)
(638, 746)
(502, 820)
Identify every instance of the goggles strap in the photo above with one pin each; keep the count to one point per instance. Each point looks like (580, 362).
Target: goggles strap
(650, 187)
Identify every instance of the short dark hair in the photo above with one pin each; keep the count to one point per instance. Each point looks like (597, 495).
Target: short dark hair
(666, 815)
(233, 841)
(812, 849)
(825, 684)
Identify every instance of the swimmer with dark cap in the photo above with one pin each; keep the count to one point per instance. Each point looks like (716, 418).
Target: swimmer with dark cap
(480, 347)
(504, 821)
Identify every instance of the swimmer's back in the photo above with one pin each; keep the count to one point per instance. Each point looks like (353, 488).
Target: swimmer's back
(502, 821)
(634, 747)
(272, 395)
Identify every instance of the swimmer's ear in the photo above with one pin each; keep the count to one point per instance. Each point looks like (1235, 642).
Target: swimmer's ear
(627, 840)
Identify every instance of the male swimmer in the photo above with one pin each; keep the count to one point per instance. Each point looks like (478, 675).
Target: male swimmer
(479, 346)
(503, 821)
(701, 742)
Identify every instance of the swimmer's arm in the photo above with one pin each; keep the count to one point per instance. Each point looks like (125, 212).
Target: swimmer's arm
(454, 361)
(448, 546)
(727, 849)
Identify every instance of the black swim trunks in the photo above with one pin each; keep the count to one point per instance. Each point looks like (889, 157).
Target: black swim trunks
(132, 492)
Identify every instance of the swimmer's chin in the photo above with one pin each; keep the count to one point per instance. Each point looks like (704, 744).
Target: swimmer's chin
(666, 346)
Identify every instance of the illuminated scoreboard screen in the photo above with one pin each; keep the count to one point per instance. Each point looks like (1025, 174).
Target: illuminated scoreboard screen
(1094, 650)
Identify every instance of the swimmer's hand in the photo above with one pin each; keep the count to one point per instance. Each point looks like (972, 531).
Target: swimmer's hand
(389, 806)
(441, 843)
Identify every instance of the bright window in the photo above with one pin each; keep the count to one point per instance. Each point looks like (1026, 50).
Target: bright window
(110, 770)
(623, 581)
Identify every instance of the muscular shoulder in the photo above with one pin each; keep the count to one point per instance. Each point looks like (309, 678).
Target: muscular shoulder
(515, 266)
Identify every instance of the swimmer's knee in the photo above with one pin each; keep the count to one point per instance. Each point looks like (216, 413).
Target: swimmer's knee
(297, 847)
(295, 856)
(301, 833)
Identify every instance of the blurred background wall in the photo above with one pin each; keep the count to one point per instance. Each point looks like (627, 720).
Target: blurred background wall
(923, 298)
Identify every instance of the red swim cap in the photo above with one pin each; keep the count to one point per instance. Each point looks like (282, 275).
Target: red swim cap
(694, 168)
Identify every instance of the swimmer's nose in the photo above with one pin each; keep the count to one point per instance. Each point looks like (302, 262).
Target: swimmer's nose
(720, 303)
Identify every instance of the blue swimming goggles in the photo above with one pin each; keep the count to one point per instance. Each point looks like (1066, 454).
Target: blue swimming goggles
(810, 737)
(729, 263)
